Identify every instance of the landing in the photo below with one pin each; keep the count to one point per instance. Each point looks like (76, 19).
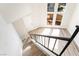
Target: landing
(48, 31)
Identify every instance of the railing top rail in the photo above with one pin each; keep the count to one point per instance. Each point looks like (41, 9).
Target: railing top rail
(55, 37)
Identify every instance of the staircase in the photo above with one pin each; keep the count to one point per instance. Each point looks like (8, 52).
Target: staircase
(54, 40)
(30, 49)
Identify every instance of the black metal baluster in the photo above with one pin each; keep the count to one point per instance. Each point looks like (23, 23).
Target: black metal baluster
(44, 41)
(54, 44)
(41, 40)
(36, 38)
(48, 42)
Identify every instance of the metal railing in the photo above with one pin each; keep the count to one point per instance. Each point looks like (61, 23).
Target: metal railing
(41, 40)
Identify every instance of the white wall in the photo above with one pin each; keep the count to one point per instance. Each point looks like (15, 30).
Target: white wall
(70, 7)
(39, 14)
(10, 43)
(37, 18)
(14, 11)
(20, 28)
(34, 19)
(74, 21)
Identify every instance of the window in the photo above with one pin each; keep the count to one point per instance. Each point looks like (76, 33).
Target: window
(58, 19)
(49, 19)
(55, 13)
(50, 7)
(61, 7)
